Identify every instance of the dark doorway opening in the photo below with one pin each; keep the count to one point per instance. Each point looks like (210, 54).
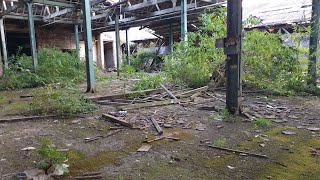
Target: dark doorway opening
(108, 55)
(16, 41)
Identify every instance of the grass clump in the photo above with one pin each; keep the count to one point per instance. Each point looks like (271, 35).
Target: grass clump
(262, 123)
(51, 156)
(61, 102)
(54, 66)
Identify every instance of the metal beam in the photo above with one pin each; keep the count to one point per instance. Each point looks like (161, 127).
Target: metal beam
(76, 36)
(143, 5)
(184, 20)
(233, 51)
(88, 45)
(32, 35)
(59, 13)
(314, 43)
(99, 16)
(55, 3)
(10, 9)
(127, 47)
(4, 44)
(117, 44)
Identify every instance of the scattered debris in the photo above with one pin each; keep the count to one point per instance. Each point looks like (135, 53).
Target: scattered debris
(288, 133)
(38, 174)
(262, 145)
(156, 125)
(315, 151)
(152, 104)
(200, 127)
(144, 148)
(167, 126)
(219, 127)
(188, 126)
(116, 120)
(28, 149)
(119, 113)
(236, 151)
(94, 175)
(77, 121)
(230, 167)
(156, 139)
(314, 129)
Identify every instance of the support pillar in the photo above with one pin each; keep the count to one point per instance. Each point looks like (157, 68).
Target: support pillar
(32, 34)
(1, 66)
(127, 47)
(88, 45)
(4, 45)
(117, 44)
(314, 43)
(170, 38)
(184, 20)
(233, 51)
(76, 36)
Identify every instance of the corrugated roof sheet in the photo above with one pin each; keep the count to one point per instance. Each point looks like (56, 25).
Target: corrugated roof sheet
(280, 12)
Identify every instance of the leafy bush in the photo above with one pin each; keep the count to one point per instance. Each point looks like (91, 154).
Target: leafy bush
(152, 81)
(54, 66)
(193, 63)
(68, 102)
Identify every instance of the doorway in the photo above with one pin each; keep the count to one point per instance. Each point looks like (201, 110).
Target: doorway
(108, 55)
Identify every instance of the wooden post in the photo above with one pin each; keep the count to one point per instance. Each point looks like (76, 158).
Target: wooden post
(88, 45)
(32, 35)
(314, 43)
(4, 44)
(233, 51)
(117, 44)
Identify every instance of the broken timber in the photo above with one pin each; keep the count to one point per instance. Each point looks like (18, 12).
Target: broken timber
(151, 104)
(156, 125)
(105, 136)
(30, 118)
(169, 93)
(116, 120)
(124, 95)
(237, 151)
(191, 92)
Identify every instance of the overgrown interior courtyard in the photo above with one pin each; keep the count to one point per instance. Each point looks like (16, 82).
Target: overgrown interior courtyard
(166, 119)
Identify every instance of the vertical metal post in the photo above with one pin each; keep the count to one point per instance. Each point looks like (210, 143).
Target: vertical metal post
(117, 44)
(233, 51)
(32, 34)
(170, 38)
(314, 43)
(127, 47)
(1, 66)
(76, 36)
(88, 45)
(4, 44)
(184, 20)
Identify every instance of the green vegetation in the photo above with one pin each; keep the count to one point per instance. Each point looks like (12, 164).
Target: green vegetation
(262, 123)
(220, 142)
(50, 155)
(54, 67)
(193, 63)
(152, 81)
(146, 59)
(63, 102)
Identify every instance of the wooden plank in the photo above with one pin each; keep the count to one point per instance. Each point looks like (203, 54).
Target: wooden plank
(151, 104)
(124, 95)
(20, 119)
(116, 120)
(156, 125)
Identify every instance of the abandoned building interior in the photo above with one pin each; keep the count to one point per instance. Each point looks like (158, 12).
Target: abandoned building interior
(134, 123)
